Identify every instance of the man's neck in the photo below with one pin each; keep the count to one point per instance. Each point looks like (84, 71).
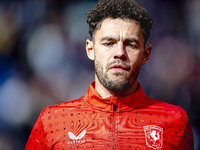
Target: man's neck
(105, 93)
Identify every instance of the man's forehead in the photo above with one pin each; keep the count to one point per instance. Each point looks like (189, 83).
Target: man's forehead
(119, 28)
(119, 22)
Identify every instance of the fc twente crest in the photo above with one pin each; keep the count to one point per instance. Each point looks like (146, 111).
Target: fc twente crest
(153, 136)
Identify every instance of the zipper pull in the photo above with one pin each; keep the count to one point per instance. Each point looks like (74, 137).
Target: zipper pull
(114, 103)
(114, 107)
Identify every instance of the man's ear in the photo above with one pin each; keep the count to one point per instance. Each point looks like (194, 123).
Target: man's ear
(90, 49)
(146, 54)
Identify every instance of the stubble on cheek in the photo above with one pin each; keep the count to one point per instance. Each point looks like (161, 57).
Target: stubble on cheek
(108, 81)
(116, 81)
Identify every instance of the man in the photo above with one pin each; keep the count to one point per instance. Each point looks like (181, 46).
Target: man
(115, 113)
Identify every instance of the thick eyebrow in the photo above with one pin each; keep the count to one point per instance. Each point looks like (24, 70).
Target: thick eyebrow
(108, 38)
(131, 40)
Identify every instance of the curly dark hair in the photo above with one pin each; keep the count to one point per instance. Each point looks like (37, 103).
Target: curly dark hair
(124, 9)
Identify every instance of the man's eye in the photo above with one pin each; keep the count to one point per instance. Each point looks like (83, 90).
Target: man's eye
(131, 45)
(108, 44)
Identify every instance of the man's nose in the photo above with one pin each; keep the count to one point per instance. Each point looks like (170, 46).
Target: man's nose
(120, 52)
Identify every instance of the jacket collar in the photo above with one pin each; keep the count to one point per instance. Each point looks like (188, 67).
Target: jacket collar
(132, 101)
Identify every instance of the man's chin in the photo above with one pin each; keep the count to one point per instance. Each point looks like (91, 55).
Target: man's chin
(117, 85)
(118, 79)
(119, 73)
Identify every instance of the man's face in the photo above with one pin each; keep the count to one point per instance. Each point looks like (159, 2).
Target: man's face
(119, 53)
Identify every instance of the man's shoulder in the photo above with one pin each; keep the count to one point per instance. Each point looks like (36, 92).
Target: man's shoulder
(166, 107)
(68, 105)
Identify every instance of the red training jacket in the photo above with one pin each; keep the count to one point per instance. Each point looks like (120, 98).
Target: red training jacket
(118, 123)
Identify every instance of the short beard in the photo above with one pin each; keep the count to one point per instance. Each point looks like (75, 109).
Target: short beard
(115, 86)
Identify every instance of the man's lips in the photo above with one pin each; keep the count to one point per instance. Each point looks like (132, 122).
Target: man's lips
(119, 66)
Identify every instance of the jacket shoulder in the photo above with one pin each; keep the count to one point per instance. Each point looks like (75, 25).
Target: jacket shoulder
(68, 104)
(167, 107)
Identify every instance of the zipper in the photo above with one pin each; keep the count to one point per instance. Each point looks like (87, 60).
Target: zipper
(114, 127)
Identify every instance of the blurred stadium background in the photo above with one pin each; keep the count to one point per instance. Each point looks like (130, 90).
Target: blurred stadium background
(43, 60)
